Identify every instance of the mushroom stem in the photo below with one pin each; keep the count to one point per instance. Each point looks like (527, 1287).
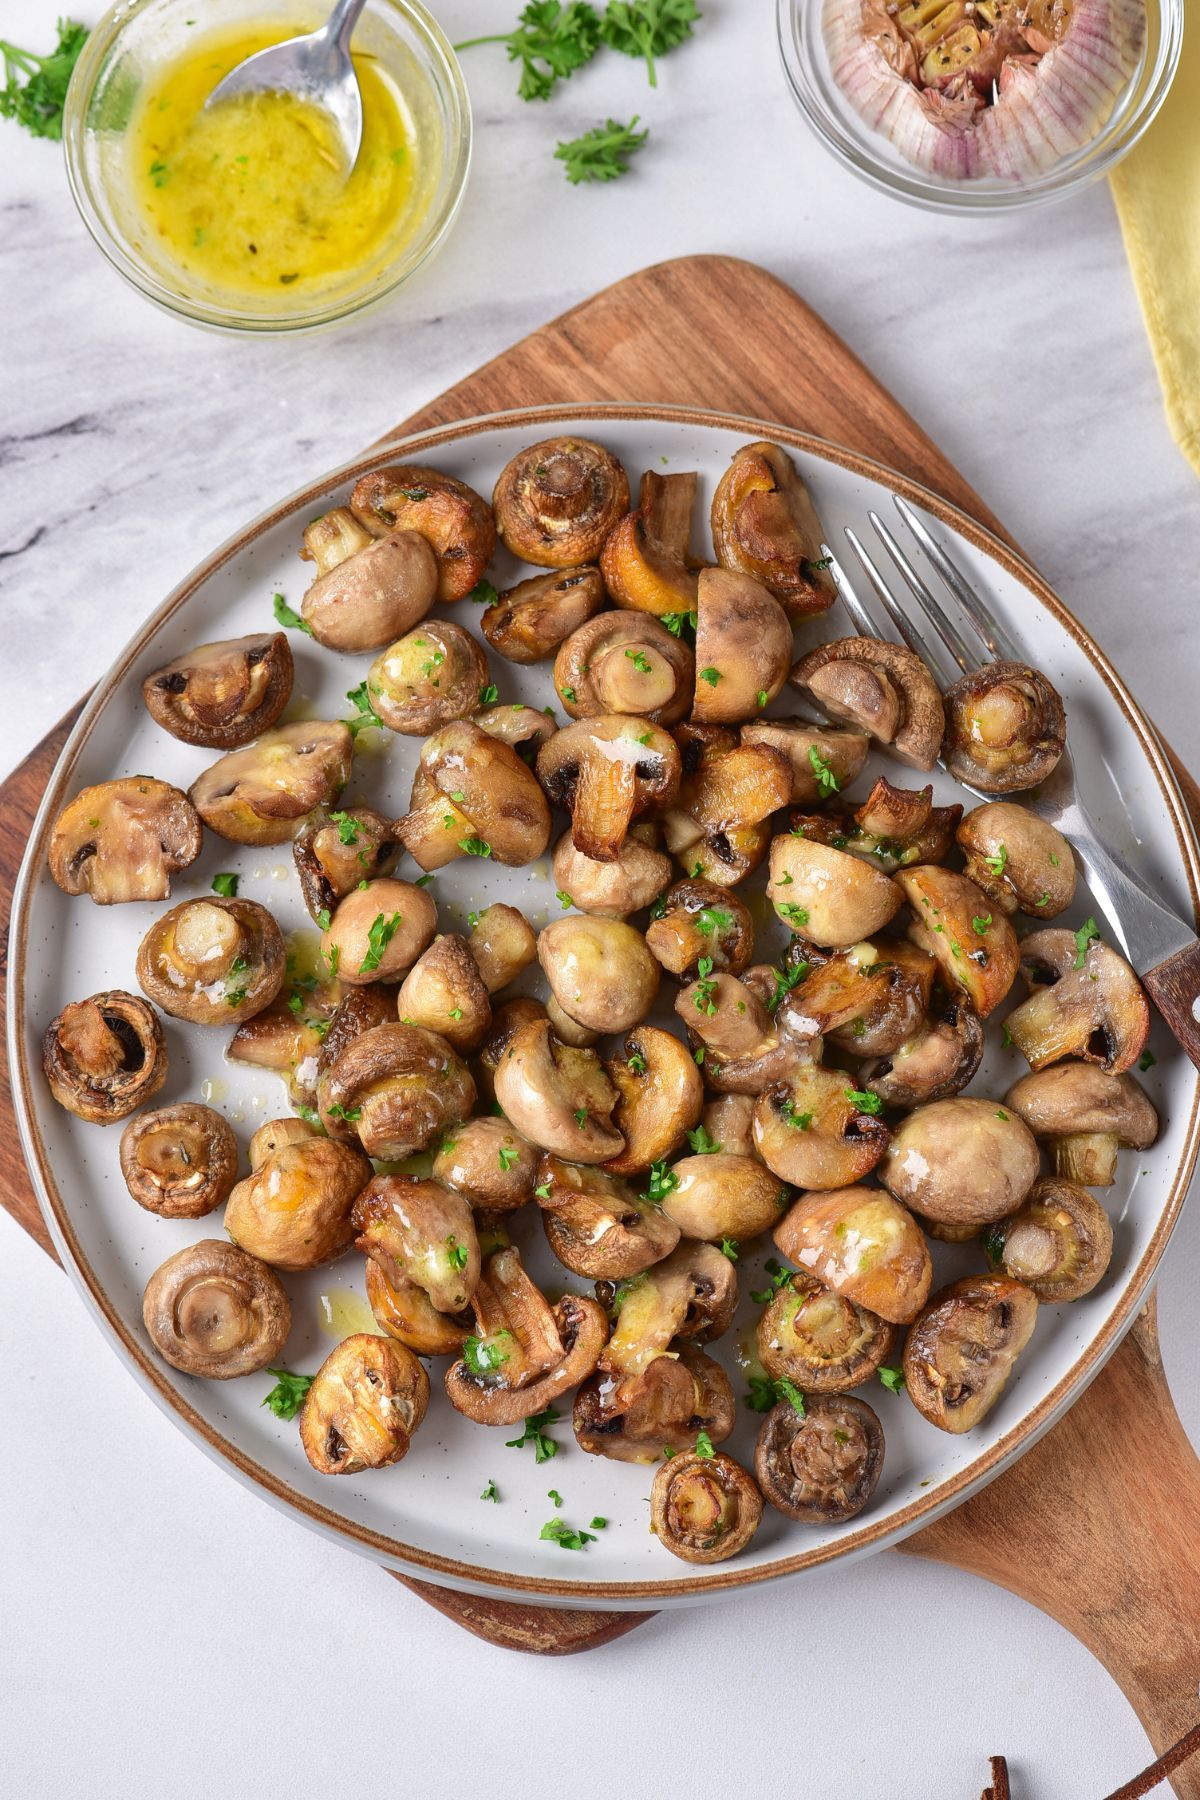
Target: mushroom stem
(1087, 1157)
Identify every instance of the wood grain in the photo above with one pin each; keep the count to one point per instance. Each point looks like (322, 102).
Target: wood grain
(1073, 1527)
(1174, 987)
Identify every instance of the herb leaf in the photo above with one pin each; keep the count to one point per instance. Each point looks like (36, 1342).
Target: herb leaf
(560, 1533)
(1083, 938)
(648, 28)
(382, 931)
(550, 41)
(601, 154)
(892, 1379)
(287, 1396)
(544, 1447)
(225, 885)
(36, 86)
(290, 620)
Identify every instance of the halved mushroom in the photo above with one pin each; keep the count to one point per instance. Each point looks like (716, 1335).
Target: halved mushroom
(765, 525)
(729, 1121)
(667, 1406)
(605, 772)
(357, 1009)
(225, 694)
(557, 1095)
(366, 1401)
(489, 1162)
(961, 1162)
(869, 999)
(704, 1508)
(257, 795)
(213, 961)
(502, 943)
(600, 971)
(528, 622)
(940, 1058)
(526, 1353)
(294, 1209)
(214, 1311)
(1059, 1244)
(821, 1341)
(862, 1244)
(645, 562)
(179, 1161)
(699, 922)
(105, 1056)
(610, 890)
(828, 896)
(336, 853)
(823, 761)
(718, 828)
(721, 1195)
(952, 920)
(456, 522)
(1005, 728)
(1086, 1116)
(400, 1087)
(406, 1313)
(596, 1225)
(507, 1020)
(816, 1129)
(625, 662)
(378, 931)
(523, 728)
(473, 796)
(961, 1350)
(368, 590)
(743, 648)
(428, 678)
(444, 992)
(820, 1466)
(557, 501)
(896, 827)
(690, 1294)
(1086, 1001)
(422, 1235)
(744, 1052)
(1018, 860)
(883, 689)
(123, 840)
(659, 1097)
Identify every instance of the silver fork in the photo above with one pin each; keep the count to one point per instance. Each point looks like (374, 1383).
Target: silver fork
(1161, 946)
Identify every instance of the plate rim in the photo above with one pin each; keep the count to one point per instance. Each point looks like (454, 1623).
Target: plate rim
(411, 1559)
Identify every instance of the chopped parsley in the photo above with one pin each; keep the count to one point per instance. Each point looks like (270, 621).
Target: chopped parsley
(785, 981)
(483, 1356)
(729, 1247)
(544, 1446)
(348, 827)
(701, 1143)
(1083, 938)
(704, 1446)
(287, 1396)
(711, 675)
(380, 935)
(865, 1102)
(997, 863)
(558, 1532)
(981, 923)
(827, 781)
(286, 617)
(457, 1255)
(637, 1063)
(225, 885)
(475, 846)
(892, 1379)
(795, 915)
(1146, 1060)
(713, 918)
(507, 1156)
(564, 900)
(679, 624)
(640, 661)
(483, 593)
(350, 1114)
(799, 1121)
(489, 695)
(702, 999)
(602, 153)
(490, 1492)
(662, 1181)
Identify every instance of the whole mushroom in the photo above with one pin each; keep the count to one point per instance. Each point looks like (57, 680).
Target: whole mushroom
(1018, 860)
(961, 1350)
(294, 1209)
(659, 1096)
(883, 689)
(105, 1056)
(337, 852)
(1005, 728)
(862, 1244)
(953, 921)
(666, 1406)
(719, 828)
(1086, 1002)
(123, 840)
(179, 1161)
(368, 590)
(489, 1162)
(444, 992)
(502, 943)
(473, 796)
(821, 1466)
(625, 662)
(817, 1131)
(743, 648)
(606, 771)
(596, 1225)
(764, 525)
(431, 676)
(214, 1311)
(1085, 1116)
(399, 1087)
(366, 1401)
(704, 1508)
(212, 961)
(599, 970)
(456, 522)
(823, 760)
(720, 1195)
(610, 890)
(422, 1235)
(259, 794)
(557, 1095)
(698, 921)
(828, 896)
(528, 622)
(224, 694)
(962, 1162)
(556, 501)
(820, 1341)
(1059, 1243)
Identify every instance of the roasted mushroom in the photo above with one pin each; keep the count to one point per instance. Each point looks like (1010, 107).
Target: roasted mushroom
(823, 761)
(862, 1244)
(659, 1097)
(821, 1341)
(214, 1311)
(938, 1060)
(1005, 728)
(366, 1401)
(605, 772)
(523, 728)
(667, 1406)
(456, 522)
(1018, 860)
(288, 1037)
(599, 970)
(1059, 1244)
(489, 1162)
(952, 920)
(896, 827)
(719, 829)
(699, 922)
(961, 1350)
(764, 524)
(225, 694)
(961, 1162)
(1085, 1115)
(828, 896)
(869, 999)
(378, 931)
(526, 1353)
(596, 1225)
(357, 1009)
(645, 561)
(720, 1195)
(1086, 1001)
(528, 622)
(557, 501)
(257, 795)
(690, 1294)
(817, 1130)
(502, 943)
(610, 890)
(123, 840)
(882, 689)
(213, 961)
(179, 1161)
(728, 1020)
(422, 1235)
(743, 648)
(820, 1466)
(729, 1121)
(704, 1508)
(625, 662)
(405, 1313)
(106, 1056)
(473, 796)
(368, 590)
(294, 1209)
(338, 852)
(557, 1095)
(400, 1087)
(433, 675)
(507, 1020)
(444, 992)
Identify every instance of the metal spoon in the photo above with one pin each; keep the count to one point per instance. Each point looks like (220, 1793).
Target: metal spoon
(317, 67)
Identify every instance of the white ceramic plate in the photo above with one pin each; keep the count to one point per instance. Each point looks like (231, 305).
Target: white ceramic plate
(425, 1516)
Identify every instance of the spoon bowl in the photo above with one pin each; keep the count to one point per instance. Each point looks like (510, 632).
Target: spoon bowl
(316, 67)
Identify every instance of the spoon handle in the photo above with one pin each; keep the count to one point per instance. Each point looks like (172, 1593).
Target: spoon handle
(339, 27)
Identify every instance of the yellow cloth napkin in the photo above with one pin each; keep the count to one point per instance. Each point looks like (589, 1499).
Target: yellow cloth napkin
(1157, 191)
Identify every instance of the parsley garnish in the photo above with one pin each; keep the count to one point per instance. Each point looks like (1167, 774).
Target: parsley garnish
(1083, 938)
(366, 720)
(827, 781)
(637, 1063)
(679, 623)
(544, 1447)
(483, 594)
(761, 697)
(290, 620)
(980, 924)
(799, 1121)
(785, 981)
(489, 695)
(997, 863)
(457, 1254)
(663, 1181)
(36, 86)
(483, 1355)
(1146, 1060)
(490, 1492)
(475, 846)
(701, 1143)
(777, 1275)
(347, 827)
(648, 28)
(713, 918)
(640, 661)
(787, 1390)
(351, 1114)
(601, 154)
(702, 999)
(797, 915)
(711, 675)
(550, 41)
(287, 1396)
(892, 1379)
(865, 1102)
(225, 885)
(704, 1445)
(564, 899)
(557, 1532)
(729, 1247)
(507, 1156)
(382, 931)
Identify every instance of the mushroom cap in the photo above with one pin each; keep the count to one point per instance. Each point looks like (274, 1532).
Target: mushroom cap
(444, 992)
(724, 1195)
(863, 1244)
(625, 662)
(868, 1000)
(599, 970)
(692, 1293)
(502, 943)
(1005, 728)
(294, 1210)
(557, 501)
(961, 1350)
(123, 840)
(674, 1399)
(406, 1313)
(432, 675)
(729, 1119)
(523, 728)
(596, 1226)
(610, 890)
(1071, 1097)
(489, 1162)
(1018, 860)
(366, 1401)
(828, 896)
(704, 1509)
(456, 521)
(645, 562)
(224, 694)
(659, 1096)
(257, 795)
(536, 1352)
(963, 1161)
(1059, 1244)
(422, 1233)
(698, 920)
(359, 1009)
(335, 853)
(473, 796)
(821, 1341)
(816, 1131)
(952, 920)
(373, 596)
(820, 1466)
(764, 524)
(839, 755)
(557, 1095)
(179, 1161)
(744, 1053)
(105, 1056)
(605, 771)
(528, 622)
(213, 961)
(939, 1060)
(507, 1020)
(743, 648)
(881, 688)
(212, 1310)
(1091, 1005)
(405, 1084)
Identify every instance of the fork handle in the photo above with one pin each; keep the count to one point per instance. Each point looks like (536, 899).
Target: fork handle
(1174, 987)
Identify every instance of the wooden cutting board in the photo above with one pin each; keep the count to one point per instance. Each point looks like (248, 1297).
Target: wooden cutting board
(1099, 1524)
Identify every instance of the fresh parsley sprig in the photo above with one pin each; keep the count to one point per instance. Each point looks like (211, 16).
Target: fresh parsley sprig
(603, 153)
(287, 1396)
(35, 87)
(648, 28)
(550, 41)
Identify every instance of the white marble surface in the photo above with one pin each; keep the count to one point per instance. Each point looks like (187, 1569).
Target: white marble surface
(165, 1632)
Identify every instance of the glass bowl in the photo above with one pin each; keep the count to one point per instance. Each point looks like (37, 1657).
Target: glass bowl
(844, 131)
(135, 38)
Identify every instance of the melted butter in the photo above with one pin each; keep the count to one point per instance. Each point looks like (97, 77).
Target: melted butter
(343, 1311)
(214, 1088)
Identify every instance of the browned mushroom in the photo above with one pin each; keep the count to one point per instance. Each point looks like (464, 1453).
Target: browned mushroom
(704, 1508)
(659, 1097)
(366, 1401)
(719, 1195)
(961, 1162)
(502, 943)
(1086, 1001)
(523, 728)
(690, 1294)
(213, 961)
(489, 1162)
(557, 1095)
(896, 827)
(961, 1350)
(823, 761)
(765, 525)
(337, 852)
(179, 1161)
(528, 622)
(507, 1020)
(1059, 1244)
(862, 1244)
(729, 1121)
(123, 840)
(294, 1209)
(729, 1022)
(698, 921)
(881, 688)
(952, 920)
(368, 590)
(605, 772)
(456, 522)
(526, 1353)
(435, 674)
(820, 1341)
(406, 1313)
(667, 1406)
(625, 662)
(225, 694)
(869, 999)
(816, 1130)
(356, 1010)
(105, 1056)
(422, 1235)
(743, 648)
(214, 1311)
(1005, 728)
(645, 561)
(828, 896)
(1085, 1115)
(822, 1465)
(557, 501)
(473, 796)
(444, 992)
(257, 795)
(1018, 860)
(400, 1087)
(610, 890)
(719, 828)
(939, 1059)
(599, 970)
(596, 1225)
